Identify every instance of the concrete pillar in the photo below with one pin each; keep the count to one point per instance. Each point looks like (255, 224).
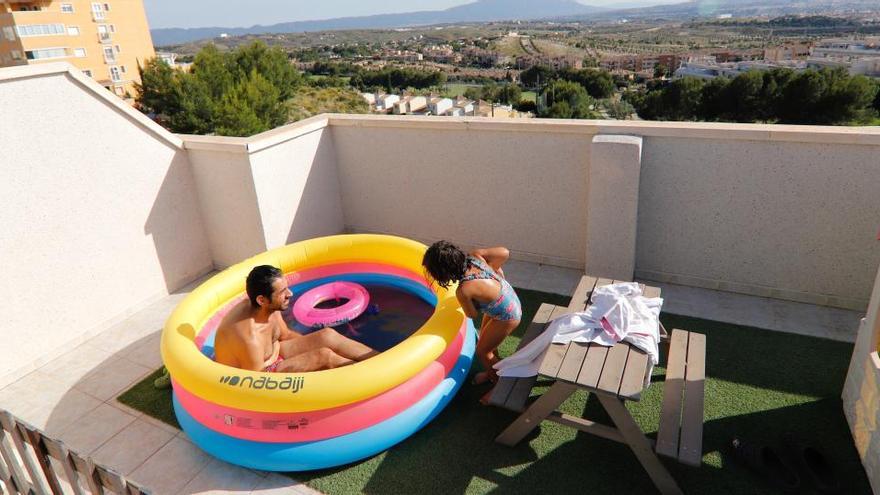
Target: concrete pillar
(612, 206)
(228, 202)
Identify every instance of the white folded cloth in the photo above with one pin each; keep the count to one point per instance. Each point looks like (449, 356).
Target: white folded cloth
(618, 312)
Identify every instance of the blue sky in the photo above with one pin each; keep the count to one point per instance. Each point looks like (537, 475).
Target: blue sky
(243, 13)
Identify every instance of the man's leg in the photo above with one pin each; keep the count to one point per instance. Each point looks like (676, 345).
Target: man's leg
(329, 338)
(322, 358)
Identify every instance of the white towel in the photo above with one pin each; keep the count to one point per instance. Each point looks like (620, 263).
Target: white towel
(618, 312)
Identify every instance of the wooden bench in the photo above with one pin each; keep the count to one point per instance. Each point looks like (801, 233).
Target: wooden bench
(680, 435)
(614, 375)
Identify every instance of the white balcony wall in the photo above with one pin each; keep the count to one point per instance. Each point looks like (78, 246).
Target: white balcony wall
(266, 191)
(793, 218)
(98, 217)
(779, 211)
(475, 184)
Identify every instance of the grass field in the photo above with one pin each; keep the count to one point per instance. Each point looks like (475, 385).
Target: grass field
(759, 384)
(454, 90)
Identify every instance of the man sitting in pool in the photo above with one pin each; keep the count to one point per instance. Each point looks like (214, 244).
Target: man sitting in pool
(253, 336)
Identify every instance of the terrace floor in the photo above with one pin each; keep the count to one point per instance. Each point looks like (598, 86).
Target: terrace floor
(74, 397)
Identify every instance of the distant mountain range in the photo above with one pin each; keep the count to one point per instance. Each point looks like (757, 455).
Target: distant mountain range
(479, 11)
(500, 10)
(735, 8)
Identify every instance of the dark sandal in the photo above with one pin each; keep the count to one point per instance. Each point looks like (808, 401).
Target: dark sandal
(766, 462)
(812, 464)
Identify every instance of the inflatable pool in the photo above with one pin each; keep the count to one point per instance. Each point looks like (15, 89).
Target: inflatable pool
(304, 421)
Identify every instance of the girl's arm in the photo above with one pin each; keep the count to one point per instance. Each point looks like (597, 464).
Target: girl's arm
(495, 256)
(467, 304)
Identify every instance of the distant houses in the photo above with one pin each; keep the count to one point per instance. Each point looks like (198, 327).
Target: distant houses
(438, 105)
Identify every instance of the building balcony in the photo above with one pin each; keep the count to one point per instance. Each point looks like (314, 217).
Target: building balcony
(116, 214)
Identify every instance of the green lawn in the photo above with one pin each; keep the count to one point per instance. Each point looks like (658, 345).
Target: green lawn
(454, 90)
(318, 77)
(759, 384)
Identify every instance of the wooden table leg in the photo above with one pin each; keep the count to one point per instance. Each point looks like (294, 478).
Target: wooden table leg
(532, 417)
(639, 444)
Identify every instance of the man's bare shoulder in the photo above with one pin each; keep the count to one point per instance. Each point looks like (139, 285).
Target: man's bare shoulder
(238, 323)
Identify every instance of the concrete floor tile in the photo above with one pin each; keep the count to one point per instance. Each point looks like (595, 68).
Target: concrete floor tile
(556, 280)
(76, 364)
(42, 401)
(145, 352)
(87, 433)
(520, 273)
(112, 378)
(129, 448)
(760, 312)
(160, 424)
(124, 408)
(117, 338)
(276, 484)
(219, 477)
(171, 468)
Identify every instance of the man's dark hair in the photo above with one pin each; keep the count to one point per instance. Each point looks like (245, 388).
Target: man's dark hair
(445, 262)
(259, 282)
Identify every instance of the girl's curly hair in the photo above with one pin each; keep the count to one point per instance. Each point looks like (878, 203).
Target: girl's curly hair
(445, 262)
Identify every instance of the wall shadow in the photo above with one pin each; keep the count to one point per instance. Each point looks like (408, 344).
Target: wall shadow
(315, 201)
(177, 228)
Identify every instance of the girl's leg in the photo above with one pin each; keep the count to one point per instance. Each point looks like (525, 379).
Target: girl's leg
(493, 334)
(482, 376)
(484, 323)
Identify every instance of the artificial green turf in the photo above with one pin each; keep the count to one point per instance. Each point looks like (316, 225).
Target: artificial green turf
(759, 385)
(149, 400)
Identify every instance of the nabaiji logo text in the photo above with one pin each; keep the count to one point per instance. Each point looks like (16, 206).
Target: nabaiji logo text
(294, 384)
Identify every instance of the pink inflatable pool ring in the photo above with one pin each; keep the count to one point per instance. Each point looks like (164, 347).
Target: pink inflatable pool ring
(306, 312)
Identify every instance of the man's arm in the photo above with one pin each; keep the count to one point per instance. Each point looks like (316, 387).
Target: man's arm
(495, 257)
(250, 355)
(284, 333)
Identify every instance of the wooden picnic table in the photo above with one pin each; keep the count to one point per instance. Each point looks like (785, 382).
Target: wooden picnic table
(614, 374)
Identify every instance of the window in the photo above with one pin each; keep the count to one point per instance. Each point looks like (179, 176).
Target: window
(15, 54)
(79, 52)
(97, 11)
(45, 53)
(109, 56)
(9, 33)
(115, 75)
(118, 50)
(103, 34)
(112, 28)
(107, 7)
(72, 31)
(26, 30)
(67, 8)
(122, 68)
(87, 72)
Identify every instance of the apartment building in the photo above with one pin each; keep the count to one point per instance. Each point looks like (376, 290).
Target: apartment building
(106, 40)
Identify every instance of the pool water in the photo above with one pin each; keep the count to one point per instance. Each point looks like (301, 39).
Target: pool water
(400, 314)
